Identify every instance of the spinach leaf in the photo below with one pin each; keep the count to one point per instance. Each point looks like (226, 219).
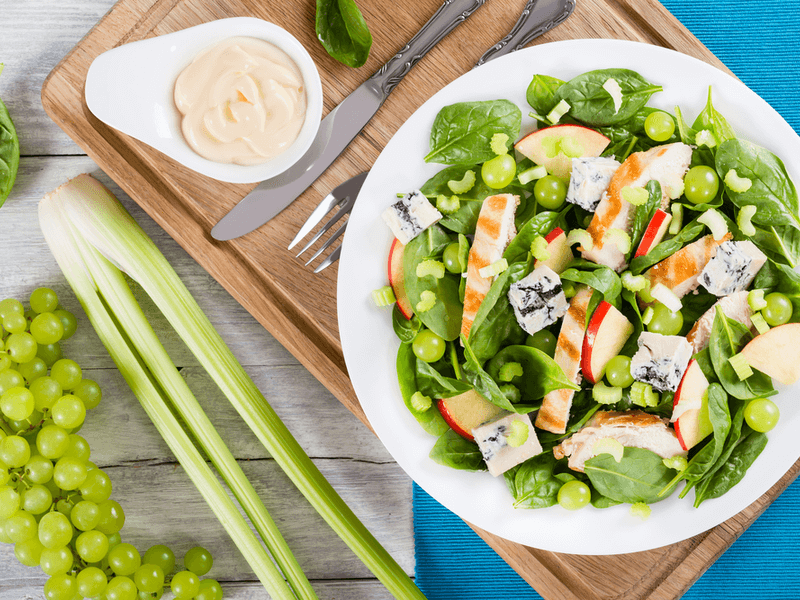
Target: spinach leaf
(693, 307)
(540, 373)
(452, 450)
(462, 132)
(734, 436)
(444, 319)
(603, 279)
(667, 248)
(714, 122)
(643, 214)
(432, 383)
(775, 277)
(771, 191)
(591, 103)
(9, 152)
(542, 224)
(405, 329)
(541, 93)
(437, 184)
(780, 243)
(430, 420)
(533, 483)
(638, 477)
(600, 501)
(686, 133)
(731, 472)
(342, 31)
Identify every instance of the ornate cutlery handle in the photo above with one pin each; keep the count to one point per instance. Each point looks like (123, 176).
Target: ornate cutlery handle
(449, 15)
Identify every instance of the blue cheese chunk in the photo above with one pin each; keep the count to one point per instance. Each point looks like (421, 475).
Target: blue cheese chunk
(410, 216)
(492, 439)
(661, 360)
(538, 299)
(589, 179)
(733, 268)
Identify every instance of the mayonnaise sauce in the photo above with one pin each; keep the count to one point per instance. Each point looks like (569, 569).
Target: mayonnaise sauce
(243, 101)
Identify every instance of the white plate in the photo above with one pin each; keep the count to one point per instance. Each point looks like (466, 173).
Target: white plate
(370, 346)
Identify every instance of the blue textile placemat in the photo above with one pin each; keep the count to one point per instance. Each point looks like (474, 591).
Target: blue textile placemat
(759, 42)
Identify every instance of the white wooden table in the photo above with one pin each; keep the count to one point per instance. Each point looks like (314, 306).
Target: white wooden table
(161, 504)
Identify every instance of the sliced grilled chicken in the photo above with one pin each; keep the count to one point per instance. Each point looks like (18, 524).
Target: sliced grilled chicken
(633, 429)
(495, 228)
(734, 307)
(680, 271)
(554, 414)
(665, 164)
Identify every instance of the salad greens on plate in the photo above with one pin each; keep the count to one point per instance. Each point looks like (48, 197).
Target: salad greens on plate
(596, 310)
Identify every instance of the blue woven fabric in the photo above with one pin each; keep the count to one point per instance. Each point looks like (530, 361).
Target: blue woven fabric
(760, 43)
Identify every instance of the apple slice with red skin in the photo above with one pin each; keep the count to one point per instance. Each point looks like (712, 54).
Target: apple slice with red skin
(690, 407)
(654, 233)
(559, 251)
(466, 411)
(397, 278)
(539, 144)
(606, 334)
(776, 353)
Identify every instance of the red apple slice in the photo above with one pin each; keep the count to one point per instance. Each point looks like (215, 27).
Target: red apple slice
(690, 407)
(560, 252)
(397, 278)
(466, 411)
(654, 233)
(544, 146)
(776, 353)
(606, 334)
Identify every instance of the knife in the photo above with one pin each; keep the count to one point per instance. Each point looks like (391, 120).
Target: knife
(338, 129)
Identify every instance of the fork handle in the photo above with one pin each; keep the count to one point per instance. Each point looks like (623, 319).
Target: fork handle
(538, 17)
(449, 15)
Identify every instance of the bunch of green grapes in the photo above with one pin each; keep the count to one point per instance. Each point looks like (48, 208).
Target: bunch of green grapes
(55, 504)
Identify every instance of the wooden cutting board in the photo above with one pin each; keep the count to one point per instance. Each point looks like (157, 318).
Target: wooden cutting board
(298, 307)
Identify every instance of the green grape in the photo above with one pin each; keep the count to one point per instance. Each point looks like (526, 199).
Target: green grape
(39, 469)
(149, 578)
(52, 441)
(36, 499)
(162, 556)
(17, 403)
(43, 300)
(56, 561)
(618, 371)
(47, 328)
(450, 258)
(550, 192)
(91, 582)
(50, 353)
(5, 359)
(84, 516)
(574, 495)
(68, 322)
(210, 589)
(659, 126)
(68, 412)
(10, 501)
(151, 595)
(10, 306)
(96, 487)
(92, 546)
(198, 560)
(78, 448)
(701, 184)
(124, 559)
(185, 585)
(29, 552)
(761, 414)
(88, 391)
(10, 378)
(114, 540)
(15, 323)
(665, 321)
(61, 587)
(3, 535)
(21, 526)
(542, 340)
(112, 517)
(121, 588)
(499, 171)
(33, 369)
(46, 391)
(21, 347)
(14, 451)
(65, 506)
(55, 530)
(69, 473)
(428, 346)
(778, 310)
(66, 372)
(5, 473)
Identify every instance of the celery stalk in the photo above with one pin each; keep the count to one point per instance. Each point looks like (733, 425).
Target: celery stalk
(105, 223)
(64, 241)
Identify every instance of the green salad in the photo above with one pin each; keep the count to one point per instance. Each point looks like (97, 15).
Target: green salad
(595, 311)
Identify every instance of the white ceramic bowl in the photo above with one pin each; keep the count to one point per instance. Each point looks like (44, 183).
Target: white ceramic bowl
(131, 89)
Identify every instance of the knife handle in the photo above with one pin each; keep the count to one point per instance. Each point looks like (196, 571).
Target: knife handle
(449, 15)
(538, 17)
